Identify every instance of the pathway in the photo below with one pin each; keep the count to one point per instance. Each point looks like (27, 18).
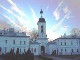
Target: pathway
(56, 58)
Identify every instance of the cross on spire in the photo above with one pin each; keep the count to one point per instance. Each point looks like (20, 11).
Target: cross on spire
(41, 12)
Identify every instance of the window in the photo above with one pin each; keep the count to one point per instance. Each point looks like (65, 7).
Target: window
(20, 50)
(65, 43)
(5, 49)
(77, 42)
(71, 43)
(65, 50)
(41, 29)
(20, 42)
(61, 50)
(77, 50)
(24, 42)
(0, 33)
(35, 50)
(72, 50)
(13, 41)
(61, 43)
(6, 41)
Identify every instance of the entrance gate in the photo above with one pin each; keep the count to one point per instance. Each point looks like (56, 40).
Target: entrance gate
(42, 50)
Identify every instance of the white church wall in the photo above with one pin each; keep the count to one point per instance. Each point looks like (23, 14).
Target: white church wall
(6, 43)
(65, 46)
(51, 48)
(35, 48)
(43, 41)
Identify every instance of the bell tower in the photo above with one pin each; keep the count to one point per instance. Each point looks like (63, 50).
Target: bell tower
(42, 37)
(41, 26)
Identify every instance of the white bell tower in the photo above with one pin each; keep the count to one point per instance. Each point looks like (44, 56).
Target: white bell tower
(42, 36)
(41, 26)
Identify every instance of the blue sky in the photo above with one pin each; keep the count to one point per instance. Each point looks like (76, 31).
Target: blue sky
(60, 15)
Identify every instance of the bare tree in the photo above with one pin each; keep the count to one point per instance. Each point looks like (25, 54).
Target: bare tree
(33, 34)
(75, 31)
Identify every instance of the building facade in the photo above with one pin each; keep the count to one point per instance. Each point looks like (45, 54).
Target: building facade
(9, 39)
(65, 45)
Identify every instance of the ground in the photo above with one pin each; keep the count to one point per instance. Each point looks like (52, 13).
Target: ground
(57, 58)
(36, 58)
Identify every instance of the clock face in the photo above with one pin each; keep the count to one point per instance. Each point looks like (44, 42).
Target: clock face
(41, 29)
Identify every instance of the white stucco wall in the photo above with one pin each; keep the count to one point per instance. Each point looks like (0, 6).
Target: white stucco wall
(10, 44)
(34, 46)
(51, 48)
(67, 48)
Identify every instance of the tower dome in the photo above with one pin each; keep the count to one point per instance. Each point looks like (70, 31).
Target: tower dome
(41, 19)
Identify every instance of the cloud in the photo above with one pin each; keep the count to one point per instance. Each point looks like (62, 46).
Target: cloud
(21, 20)
(75, 31)
(10, 20)
(52, 35)
(65, 9)
(34, 15)
(61, 21)
(56, 12)
(56, 34)
(47, 8)
(4, 24)
(68, 17)
(20, 27)
(10, 1)
(15, 8)
(64, 28)
(7, 10)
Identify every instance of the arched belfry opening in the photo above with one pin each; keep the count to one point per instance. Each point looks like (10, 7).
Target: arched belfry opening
(42, 50)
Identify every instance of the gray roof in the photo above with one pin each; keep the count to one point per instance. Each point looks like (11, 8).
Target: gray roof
(52, 42)
(70, 38)
(34, 42)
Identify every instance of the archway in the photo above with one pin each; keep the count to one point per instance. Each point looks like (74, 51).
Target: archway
(43, 50)
(54, 52)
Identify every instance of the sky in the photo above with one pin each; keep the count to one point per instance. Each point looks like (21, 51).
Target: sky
(61, 15)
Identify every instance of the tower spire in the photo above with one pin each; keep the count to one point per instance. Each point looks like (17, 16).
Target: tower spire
(41, 12)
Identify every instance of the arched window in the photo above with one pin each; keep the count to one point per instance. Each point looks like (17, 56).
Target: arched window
(77, 50)
(20, 50)
(35, 50)
(6, 41)
(13, 41)
(24, 42)
(72, 50)
(5, 49)
(61, 43)
(65, 43)
(41, 29)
